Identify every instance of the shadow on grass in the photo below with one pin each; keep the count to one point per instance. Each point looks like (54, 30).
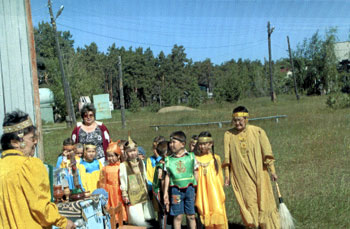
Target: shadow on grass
(235, 226)
(230, 225)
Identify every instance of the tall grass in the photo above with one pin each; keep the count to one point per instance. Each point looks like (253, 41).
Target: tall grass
(311, 147)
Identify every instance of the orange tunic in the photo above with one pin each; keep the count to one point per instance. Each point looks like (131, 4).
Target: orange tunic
(109, 180)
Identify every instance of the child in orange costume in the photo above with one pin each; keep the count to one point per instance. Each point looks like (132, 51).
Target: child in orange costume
(109, 178)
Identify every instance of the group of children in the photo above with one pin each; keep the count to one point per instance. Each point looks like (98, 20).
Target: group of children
(172, 182)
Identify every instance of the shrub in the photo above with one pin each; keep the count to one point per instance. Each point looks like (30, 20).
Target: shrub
(134, 103)
(338, 100)
(154, 107)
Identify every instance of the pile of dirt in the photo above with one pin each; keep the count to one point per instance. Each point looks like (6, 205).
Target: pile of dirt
(175, 108)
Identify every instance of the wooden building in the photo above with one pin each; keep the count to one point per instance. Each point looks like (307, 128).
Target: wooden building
(18, 73)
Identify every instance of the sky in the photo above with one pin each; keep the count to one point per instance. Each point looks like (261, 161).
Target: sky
(217, 29)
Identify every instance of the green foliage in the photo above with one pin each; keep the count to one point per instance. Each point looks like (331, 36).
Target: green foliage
(194, 98)
(338, 100)
(154, 107)
(134, 103)
(315, 64)
(47, 60)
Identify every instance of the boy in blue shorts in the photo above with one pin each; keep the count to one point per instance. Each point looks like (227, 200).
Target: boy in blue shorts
(181, 177)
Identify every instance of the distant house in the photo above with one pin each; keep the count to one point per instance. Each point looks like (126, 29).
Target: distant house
(342, 53)
(287, 71)
(205, 88)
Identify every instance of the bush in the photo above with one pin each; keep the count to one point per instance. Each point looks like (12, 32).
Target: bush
(194, 98)
(134, 103)
(154, 107)
(219, 95)
(338, 100)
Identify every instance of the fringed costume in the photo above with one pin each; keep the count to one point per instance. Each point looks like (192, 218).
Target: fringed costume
(248, 156)
(210, 197)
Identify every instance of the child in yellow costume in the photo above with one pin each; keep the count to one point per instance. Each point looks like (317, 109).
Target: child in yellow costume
(109, 178)
(90, 168)
(210, 198)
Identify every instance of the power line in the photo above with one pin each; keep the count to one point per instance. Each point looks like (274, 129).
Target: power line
(163, 23)
(188, 32)
(157, 45)
(158, 32)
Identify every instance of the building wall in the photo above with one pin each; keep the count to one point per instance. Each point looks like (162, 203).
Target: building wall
(342, 51)
(16, 83)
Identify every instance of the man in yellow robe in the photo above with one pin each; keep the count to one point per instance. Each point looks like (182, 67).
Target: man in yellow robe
(248, 161)
(24, 182)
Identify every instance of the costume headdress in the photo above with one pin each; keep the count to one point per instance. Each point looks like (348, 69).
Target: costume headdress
(205, 139)
(69, 147)
(114, 147)
(240, 114)
(18, 127)
(131, 145)
(86, 146)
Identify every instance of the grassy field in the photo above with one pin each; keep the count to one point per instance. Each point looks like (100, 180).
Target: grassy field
(311, 147)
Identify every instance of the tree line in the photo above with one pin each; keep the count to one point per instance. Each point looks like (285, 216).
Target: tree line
(160, 80)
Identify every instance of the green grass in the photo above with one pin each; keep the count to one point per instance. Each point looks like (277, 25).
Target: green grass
(311, 147)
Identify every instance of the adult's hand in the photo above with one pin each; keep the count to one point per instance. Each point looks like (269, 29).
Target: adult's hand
(274, 177)
(70, 225)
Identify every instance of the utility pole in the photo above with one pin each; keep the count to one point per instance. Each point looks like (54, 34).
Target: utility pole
(291, 63)
(269, 32)
(265, 68)
(121, 92)
(67, 94)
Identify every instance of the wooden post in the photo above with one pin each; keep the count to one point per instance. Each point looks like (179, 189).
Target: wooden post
(291, 63)
(71, 121)
(269, 32)
(38, 122)
(121, 92)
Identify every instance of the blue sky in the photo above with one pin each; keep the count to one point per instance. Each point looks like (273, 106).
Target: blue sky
(217, 29)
